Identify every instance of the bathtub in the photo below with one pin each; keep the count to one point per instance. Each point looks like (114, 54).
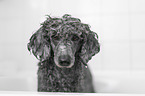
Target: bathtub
(106, 84)
(120, 82)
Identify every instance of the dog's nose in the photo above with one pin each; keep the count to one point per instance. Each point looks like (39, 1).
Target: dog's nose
(64, 60)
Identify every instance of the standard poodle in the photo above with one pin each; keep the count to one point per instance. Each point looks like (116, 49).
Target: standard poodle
(64, 46)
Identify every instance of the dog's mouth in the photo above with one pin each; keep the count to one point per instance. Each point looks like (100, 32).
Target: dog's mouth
(64, 61)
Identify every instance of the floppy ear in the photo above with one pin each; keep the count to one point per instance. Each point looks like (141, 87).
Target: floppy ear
(39, 45)
(90, 47)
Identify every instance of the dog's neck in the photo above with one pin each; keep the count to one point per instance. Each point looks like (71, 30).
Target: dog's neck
(59, 79)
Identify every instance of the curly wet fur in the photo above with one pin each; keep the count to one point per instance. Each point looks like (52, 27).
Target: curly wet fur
(54, 79)
(51, 78)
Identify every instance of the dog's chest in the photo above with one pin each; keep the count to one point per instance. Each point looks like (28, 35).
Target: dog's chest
(57, 80)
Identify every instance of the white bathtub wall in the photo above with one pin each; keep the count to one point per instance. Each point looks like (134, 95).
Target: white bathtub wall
(122, 36)
(120, 25)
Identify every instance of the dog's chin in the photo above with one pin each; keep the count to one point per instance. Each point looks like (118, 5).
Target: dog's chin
(70, 66)
(64, 66)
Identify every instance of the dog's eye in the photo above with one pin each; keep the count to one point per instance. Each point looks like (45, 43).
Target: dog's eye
(75, 38)
(56, 37)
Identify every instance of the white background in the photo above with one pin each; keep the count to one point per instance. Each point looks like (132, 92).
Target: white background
(120, 25)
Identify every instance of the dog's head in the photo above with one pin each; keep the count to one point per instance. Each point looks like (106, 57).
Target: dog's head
(65, 39)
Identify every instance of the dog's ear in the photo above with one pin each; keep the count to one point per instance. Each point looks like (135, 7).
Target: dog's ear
(90, 47)
(39, 45)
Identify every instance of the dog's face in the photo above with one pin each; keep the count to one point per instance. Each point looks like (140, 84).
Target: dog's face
(67, 37)
(65, 48)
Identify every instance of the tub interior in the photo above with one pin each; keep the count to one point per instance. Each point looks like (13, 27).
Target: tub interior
(120, 83)
(103, 83)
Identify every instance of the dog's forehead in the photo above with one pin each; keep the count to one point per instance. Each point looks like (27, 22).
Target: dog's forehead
(65, 32)
(68, 34)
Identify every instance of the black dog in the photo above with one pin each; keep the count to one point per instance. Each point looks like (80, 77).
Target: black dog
(64, 46)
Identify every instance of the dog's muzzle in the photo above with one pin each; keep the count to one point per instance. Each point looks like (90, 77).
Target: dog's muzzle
(64, 60)
(63, 56)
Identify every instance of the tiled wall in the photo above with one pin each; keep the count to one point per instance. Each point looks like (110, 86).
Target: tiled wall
(120, 25)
